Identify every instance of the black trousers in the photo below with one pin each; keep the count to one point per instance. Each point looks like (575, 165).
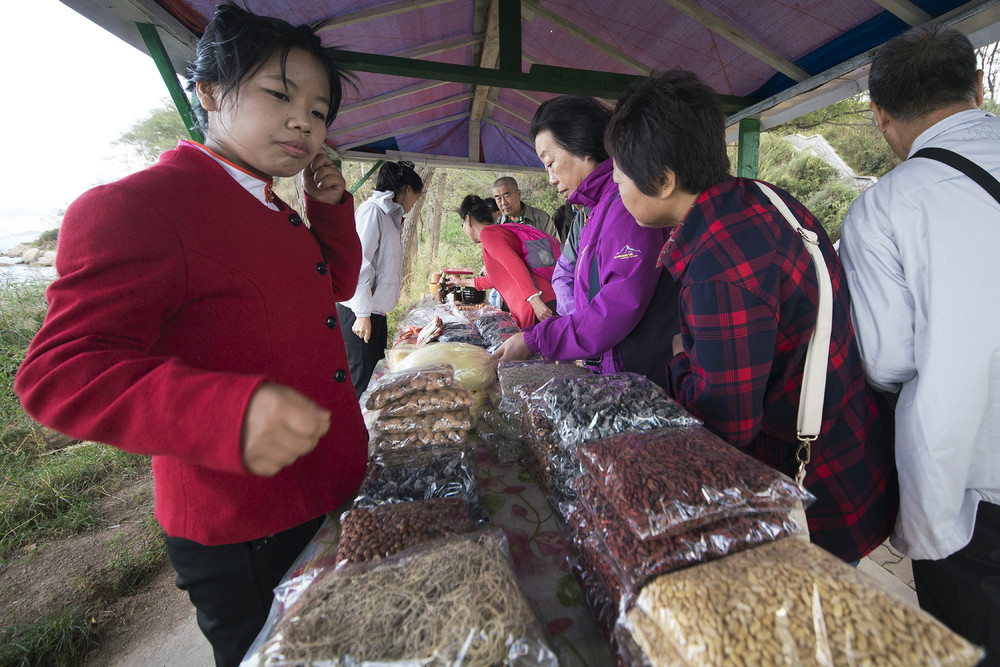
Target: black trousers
(362, 356)
(963, 590)
(232, 585)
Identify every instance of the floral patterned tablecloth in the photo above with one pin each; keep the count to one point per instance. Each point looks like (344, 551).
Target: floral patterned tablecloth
(541, 560)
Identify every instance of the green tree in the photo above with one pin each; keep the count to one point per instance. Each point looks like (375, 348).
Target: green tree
(156, 133)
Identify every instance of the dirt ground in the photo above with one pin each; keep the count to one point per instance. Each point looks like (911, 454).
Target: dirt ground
(61, 574)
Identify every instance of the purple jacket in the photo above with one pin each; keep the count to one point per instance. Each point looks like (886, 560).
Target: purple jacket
(626, 259)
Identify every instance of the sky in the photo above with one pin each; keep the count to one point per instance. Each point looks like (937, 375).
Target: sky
(70, 90)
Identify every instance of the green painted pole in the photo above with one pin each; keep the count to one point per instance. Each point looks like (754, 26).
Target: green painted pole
(368, 174)
(509, 27)
(169, 76)
(748, 151)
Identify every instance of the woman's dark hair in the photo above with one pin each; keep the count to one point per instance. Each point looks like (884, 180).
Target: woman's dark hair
(491, 204)
(394, 176)
(674, 121)
(922, 70)
(236, 44)
(577, 124)
(476, 208)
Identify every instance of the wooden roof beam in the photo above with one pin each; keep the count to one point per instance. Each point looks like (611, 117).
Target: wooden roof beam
(460, 97)
(376, 13)
(599, 44)
(386, 135)
(740, 39)
(487, 60)
(391, 95)
(441, 46)
(905, 10)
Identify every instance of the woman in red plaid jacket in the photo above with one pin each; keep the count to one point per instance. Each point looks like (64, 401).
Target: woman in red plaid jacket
(748, 304)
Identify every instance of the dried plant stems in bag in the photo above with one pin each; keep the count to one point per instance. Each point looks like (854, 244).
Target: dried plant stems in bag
(447, 602)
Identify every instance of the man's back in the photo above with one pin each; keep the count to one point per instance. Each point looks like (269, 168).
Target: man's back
(919, 249)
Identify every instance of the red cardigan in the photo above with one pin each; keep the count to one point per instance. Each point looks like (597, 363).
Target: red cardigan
(179, 294)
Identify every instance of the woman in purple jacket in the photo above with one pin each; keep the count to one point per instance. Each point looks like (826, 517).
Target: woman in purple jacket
(615, 277)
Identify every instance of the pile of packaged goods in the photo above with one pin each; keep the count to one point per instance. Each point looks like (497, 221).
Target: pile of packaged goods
(418, 407)
(417, 574)
(655, 507)
(685, 548)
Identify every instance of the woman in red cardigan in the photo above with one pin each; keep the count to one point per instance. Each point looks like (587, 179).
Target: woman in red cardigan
(518, 259)
(194, 320)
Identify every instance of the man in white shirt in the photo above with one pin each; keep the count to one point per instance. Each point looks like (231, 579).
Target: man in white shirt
(919, 249)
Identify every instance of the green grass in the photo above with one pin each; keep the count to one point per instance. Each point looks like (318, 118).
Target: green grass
(56, 495)
(60, 639)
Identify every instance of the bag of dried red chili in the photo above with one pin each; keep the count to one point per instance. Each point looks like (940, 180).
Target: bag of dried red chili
(669, 481)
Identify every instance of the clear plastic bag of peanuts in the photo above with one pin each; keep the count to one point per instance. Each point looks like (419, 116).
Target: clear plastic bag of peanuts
(393, 387)
(371, 533)
(786, 603)
(449, 601)
(591, 406)
(670, 481)
(448, 399)
(387, 441)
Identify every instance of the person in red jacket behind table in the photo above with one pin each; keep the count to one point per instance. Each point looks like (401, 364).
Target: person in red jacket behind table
(518, 260)
(194, 320)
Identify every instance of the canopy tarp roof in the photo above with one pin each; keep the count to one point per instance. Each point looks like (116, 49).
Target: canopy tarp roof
(456, 82)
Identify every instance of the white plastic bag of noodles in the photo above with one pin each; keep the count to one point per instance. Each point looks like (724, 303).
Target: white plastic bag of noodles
(786, 603)
(448, 602)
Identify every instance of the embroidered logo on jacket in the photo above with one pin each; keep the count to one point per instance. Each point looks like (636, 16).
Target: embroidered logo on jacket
(628, 252)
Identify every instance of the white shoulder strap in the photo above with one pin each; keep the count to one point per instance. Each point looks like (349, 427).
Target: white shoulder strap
(817, 356)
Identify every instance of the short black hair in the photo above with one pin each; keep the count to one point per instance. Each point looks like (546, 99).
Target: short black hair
(237, 43)
(922, 70)
(475, 207)
(394, 176)
(577, 124)
(670, 120)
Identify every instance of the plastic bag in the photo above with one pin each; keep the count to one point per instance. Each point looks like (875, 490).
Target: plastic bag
(419, 474)
(496, 327)
(473, 365)
(631, 562)
(595, 406)
(455, 332)
(786, 603)
(370, 533)
(383, 441)
(451, 601)
(425, 423)
(400, 384)
(520, 379)
(450, 399)
(670, 481)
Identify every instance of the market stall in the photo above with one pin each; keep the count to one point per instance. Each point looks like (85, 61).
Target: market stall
(538, 514)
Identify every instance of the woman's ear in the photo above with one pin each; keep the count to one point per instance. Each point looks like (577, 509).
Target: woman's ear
(668, 184)
(206, 96)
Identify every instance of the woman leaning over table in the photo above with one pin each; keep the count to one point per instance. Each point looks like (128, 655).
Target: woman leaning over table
(615, 279)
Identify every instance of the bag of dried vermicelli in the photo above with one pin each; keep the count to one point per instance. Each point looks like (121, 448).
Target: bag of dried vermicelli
(786, 603)
(452, 601)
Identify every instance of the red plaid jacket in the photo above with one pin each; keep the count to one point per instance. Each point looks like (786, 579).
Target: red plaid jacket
(748, 305)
